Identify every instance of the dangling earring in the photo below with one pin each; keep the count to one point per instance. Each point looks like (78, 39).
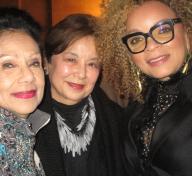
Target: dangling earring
(185, 68)
(137, 75)
(138, 80)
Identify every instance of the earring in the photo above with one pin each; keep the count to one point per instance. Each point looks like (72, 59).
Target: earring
(186, 65)
(138, 81)
(137, 76)
(45, 70)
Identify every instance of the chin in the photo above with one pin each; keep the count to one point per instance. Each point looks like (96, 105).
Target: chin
(163, 75)
(28, 110)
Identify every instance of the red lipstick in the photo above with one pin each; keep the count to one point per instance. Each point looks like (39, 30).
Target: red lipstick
(76, 86)
(25, 94)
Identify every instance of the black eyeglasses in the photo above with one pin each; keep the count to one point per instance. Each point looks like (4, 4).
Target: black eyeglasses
(162, 32)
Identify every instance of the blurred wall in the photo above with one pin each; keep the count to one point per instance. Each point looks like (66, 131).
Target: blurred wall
(49, 12)
(61, 8)
(39, 9)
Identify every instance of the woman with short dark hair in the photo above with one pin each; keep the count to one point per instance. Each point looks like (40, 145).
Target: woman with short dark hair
(83, 136)
(21, 91)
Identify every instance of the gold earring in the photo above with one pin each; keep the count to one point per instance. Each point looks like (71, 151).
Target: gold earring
(138, 81)
(186, 65)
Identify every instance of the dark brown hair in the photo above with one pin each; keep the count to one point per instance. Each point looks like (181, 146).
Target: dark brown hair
(70, 29)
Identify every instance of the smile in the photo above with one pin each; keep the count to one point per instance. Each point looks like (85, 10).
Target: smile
(158, 60)
(25, 94)
(76, 86)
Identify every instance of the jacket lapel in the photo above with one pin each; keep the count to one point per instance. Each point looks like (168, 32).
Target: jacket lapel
(169, 122)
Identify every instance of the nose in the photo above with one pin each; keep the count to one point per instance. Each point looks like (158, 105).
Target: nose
(81, 70)
(151, 44)
(26, 75)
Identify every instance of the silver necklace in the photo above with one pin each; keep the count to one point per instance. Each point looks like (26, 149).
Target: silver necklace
(71, 142)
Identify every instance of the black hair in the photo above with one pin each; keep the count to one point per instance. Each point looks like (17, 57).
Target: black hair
(12, 18)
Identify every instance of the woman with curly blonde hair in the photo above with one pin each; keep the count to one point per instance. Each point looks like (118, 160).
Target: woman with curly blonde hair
(120, 77)
(116, 80)
(158, 66)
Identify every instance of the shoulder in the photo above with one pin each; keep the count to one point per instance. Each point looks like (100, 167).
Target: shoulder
(7, 141)
(102, 100)
(186, 87)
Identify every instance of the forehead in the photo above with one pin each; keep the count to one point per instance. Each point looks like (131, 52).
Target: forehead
(86, 42)
(16, 39)
(148, 14)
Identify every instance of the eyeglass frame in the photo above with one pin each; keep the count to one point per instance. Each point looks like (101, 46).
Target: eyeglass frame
(171, 22)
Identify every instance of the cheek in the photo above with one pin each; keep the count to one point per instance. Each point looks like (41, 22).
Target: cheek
(93, 76)
(40, 79)
(66, 70)
(6, 83)
(178, 44)
(138, 60)
(180, 40)
(178, 48)
(60, 70)
(5, 90)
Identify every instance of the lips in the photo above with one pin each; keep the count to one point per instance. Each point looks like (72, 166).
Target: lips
(76, 86)
(25, 94)
(157, 61)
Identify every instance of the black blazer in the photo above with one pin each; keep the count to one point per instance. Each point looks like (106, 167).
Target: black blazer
(105, 156)
(171, 147)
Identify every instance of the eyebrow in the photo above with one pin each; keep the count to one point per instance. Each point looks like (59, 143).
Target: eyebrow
(70, 53)
(5, 55)
(36, 53)
(132, 31)
(15, 55)
(94, 59)
(136, 30)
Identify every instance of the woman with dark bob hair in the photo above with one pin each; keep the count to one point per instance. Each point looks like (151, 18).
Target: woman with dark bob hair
(83, 136)
(21, 91)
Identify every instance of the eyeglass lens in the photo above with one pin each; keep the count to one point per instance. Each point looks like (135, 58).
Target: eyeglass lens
(161, 34)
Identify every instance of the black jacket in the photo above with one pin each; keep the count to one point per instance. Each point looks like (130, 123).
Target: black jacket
(105, 156)
(171, 146)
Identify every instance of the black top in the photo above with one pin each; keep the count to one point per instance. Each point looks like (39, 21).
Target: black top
(71, 113)
(169, 150)
(74, 166)
(104, 155)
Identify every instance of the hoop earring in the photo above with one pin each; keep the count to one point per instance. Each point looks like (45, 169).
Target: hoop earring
(185, 68)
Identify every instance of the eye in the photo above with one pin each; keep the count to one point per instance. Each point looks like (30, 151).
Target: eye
(94, 65)
(135, 40)
(8, 65)
(36, 63)
(70, 60)
(165, 29)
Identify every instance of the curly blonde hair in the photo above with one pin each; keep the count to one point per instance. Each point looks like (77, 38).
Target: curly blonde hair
(117, 67)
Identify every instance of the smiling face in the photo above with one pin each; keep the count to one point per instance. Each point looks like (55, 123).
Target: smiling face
(157, 60)
(21, 73)
(74, 72)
